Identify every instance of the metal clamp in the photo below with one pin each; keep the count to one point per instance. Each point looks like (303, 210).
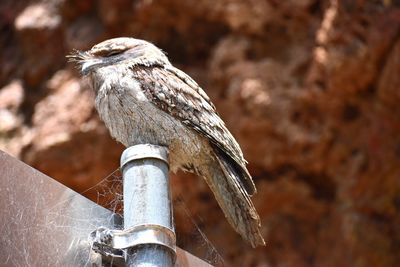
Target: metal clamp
(113, 242)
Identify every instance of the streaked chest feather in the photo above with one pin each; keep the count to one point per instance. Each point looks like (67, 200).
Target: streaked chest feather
(132, 119)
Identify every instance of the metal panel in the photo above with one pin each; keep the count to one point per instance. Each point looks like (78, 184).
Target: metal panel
(44, 223)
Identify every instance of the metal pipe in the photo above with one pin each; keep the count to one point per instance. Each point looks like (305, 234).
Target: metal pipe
(147, 206)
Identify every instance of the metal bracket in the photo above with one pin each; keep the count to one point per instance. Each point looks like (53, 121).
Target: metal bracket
(100, 243)
(113, 242)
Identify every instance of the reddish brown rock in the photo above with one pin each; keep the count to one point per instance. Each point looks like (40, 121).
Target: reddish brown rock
(309, 88)
(67, 116)
(11, 97)
(38, 28)
(12, 128)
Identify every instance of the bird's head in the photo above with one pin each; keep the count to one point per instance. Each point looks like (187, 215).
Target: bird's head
(123, 50)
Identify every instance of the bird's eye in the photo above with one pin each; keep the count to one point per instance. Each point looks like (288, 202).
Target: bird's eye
(113, 53)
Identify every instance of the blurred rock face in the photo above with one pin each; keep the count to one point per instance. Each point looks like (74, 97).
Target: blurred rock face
(309, 88)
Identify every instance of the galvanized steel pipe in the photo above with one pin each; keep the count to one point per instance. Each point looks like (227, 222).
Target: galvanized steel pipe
(147, 206)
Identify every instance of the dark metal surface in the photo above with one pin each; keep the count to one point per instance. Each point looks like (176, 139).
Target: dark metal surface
(44, 223)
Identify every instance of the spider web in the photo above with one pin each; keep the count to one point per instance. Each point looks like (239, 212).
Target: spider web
(108, 193)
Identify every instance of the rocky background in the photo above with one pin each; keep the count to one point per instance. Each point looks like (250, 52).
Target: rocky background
(311, 90)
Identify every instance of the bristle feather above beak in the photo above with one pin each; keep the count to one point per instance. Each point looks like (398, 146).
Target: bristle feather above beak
(85, 61)
(78, 56)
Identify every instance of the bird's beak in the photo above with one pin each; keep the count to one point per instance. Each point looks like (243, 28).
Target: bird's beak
(85, 60)
(89, 64)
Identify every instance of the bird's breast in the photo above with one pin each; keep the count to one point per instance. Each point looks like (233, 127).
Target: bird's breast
(133, 119)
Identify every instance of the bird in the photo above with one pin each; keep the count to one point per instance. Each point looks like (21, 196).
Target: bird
(143, 99)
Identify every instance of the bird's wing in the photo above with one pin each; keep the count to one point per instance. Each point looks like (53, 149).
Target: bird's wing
(174, 92)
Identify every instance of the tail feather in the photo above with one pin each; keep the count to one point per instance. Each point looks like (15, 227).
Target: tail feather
(240, 171)
(234, 200)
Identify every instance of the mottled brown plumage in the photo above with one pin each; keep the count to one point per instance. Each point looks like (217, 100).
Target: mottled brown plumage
(142, 98)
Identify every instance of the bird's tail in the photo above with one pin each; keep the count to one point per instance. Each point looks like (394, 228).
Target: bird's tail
(234, 200)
